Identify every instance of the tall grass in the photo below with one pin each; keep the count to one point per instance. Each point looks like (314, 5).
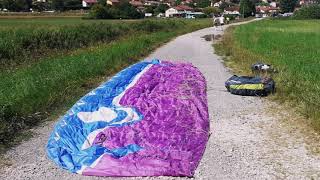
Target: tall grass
(28, 94)
(293, 47)
(21, 45)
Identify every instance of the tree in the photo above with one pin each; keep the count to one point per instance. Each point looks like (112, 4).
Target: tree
(72, 4)
(124, 10)
(15, 5)
(29, 4)
(235, 1)
(58, 5)
(203, 3)
(308, 12)
(40, 6)
(99, 11)
(150, 9)
(102, 2)
(178, 2)
(288, 5)
(128, 11)
(224, 5)
(2, 4)
(209, 11)
(247, 8)
(161, 8)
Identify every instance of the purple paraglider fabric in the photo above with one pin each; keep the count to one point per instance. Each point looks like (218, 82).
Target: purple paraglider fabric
(170, 137)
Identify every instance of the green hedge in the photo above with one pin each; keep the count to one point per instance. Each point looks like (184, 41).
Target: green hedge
(308, 12)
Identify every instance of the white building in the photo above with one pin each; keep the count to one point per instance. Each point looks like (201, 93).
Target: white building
(232, 10)
(178, 11)
(217, 4)
(112, 2)
(273, 4)
(88, 3)
(171, 12)
(147, 14)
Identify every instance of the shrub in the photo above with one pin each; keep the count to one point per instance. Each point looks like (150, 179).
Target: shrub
(211, 11)
(99, 11)
(122, 11)
(17, 45)
(247, 8)
(288, 5)
(308, 12)
(201, 16)
(230, 16)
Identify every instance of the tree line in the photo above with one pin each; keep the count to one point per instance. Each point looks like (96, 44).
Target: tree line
(248, 7)
(123, 10)
(28, 5)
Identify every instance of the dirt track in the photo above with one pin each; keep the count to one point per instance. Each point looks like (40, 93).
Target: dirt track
(246, 141)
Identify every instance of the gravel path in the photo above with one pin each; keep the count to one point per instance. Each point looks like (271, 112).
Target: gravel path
(246, 141)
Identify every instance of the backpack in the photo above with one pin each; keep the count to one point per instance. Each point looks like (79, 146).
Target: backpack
(250, 86)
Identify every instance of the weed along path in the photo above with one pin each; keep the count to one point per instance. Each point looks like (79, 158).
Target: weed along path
(246, 142)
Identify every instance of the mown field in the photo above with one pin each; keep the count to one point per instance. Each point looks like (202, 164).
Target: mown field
(50, 65)
(292, 47)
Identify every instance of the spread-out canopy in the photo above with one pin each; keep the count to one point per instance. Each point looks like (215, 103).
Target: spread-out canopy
(150, 119)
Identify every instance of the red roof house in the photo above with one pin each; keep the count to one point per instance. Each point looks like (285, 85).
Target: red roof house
(136, 3)
(183, 8)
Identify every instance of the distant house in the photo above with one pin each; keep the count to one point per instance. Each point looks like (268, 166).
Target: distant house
(191, 15)
(217, 4)
(88, 3)
(274, 4)
(266, 10)
(185, 2)
(113, 2)
(171, 12)
(151, 3)
(147, 15)
(233, 10)
(178, 11)
(307, 2)
(136, 3)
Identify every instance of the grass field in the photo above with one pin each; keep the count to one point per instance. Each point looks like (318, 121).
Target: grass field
(292, 47)
(23, 41)
(51, 21)
(52, 84)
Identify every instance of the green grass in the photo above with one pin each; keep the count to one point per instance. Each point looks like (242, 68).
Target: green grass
(31, 93)
(52, 21)
(11, 23)
(29, 40)
(293, 47)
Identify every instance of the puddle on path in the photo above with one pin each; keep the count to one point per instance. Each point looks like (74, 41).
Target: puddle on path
(211, 37)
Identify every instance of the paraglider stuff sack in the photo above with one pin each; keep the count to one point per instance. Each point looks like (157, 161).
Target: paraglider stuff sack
(250, 86)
